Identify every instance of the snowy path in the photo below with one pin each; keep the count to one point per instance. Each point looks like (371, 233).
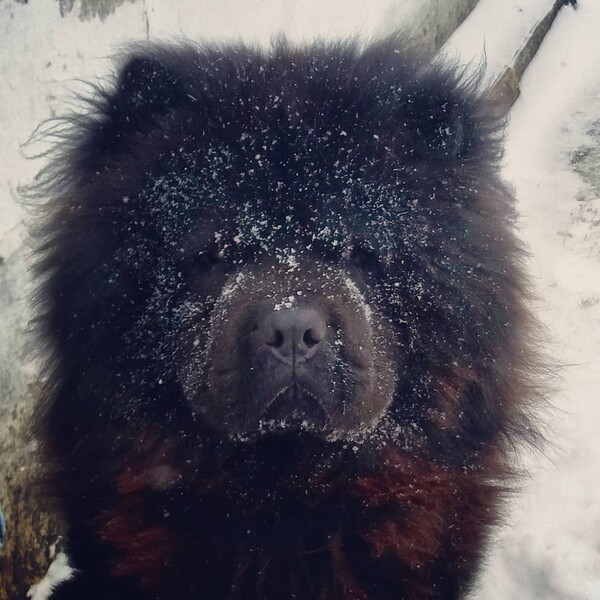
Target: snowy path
(551, 547)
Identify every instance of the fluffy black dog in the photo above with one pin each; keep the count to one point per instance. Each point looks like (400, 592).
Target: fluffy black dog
(284, 316)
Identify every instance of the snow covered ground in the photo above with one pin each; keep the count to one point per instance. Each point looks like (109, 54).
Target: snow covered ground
(550, 547)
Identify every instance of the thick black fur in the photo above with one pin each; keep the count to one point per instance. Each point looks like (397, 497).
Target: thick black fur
(361, 161)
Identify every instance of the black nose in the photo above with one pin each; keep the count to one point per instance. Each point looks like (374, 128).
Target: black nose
(293, 334)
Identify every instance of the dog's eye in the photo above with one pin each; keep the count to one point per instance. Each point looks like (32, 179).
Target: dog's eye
(366, 259)
(207, 260)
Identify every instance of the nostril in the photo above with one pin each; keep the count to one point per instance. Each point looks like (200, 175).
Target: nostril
(277, 339)
(310, 338)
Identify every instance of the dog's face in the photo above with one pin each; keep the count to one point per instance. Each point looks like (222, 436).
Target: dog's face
(291, 245)
(310, 267)
(285, 306)
(286, 344)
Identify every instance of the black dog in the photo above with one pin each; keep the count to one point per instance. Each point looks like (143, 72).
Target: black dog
(284, 313)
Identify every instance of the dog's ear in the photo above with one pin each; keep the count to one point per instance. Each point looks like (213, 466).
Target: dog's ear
(146, 88)
(441, 119)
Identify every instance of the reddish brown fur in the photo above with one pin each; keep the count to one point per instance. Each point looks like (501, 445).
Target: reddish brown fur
(449, 395)
(142, 551)
(411, 510)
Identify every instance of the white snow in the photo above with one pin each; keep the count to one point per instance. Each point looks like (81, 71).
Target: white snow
(494, 33)
(58, 572)
(260, 20)
(550, 547)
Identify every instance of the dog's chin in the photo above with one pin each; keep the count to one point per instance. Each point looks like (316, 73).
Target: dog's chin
(293, 414)
(294, 408)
